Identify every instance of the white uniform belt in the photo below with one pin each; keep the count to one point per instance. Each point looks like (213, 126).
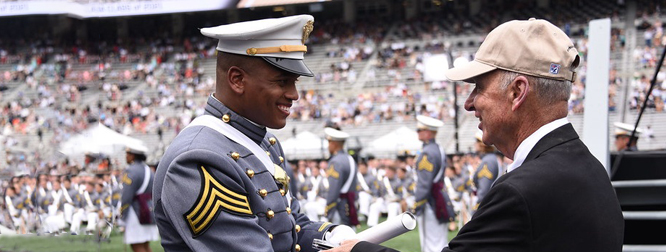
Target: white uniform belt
(352, 171)
(146, 180)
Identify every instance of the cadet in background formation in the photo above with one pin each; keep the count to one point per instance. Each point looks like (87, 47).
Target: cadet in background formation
(341, 173)
(136, 201)
(623, 139)
(487, 172)
(431, 201)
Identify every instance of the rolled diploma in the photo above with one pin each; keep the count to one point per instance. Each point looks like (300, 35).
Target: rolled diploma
(388, 229)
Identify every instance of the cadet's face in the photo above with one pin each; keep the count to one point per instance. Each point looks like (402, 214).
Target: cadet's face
(271, 92)
(490, 104)
(621, 142)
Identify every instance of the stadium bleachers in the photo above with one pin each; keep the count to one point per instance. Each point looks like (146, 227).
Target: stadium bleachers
(168, 95)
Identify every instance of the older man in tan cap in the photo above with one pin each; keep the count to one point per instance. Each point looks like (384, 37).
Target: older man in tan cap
(556, 196)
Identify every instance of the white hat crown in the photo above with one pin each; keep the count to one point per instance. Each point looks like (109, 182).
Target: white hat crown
(428, 123)
(274, 37)
(335, 135)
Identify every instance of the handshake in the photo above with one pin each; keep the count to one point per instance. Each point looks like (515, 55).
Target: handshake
(383, 232)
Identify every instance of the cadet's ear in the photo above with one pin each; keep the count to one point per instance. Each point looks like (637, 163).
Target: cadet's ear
(518, 89)
(235, 78)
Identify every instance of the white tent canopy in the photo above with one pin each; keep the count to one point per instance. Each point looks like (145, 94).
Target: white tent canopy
(97, 139)
(305, 145)
(394, 143)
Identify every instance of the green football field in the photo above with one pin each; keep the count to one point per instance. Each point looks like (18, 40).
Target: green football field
(408, 242)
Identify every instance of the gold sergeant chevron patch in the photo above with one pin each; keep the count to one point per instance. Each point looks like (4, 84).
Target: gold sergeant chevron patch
(485, 173)
(213, 198)
(425, 164)
(331, 172)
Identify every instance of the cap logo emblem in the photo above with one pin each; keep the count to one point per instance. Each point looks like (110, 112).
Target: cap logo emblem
(307, 29)
(554, 68)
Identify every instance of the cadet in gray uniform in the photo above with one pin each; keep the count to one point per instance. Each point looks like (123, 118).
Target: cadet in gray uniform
(623, 139)
(488, 170)
(341, 173)
(136, 200)
(221, 185)
(431, 204)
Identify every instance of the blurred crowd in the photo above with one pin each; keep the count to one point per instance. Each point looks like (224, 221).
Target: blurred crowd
(63, 199)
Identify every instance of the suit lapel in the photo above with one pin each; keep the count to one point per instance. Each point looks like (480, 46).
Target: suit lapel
(556, 137)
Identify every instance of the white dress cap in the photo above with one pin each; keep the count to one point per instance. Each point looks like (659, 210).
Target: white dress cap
(625, 129)
(428, 123)
(335, 135)
(279, 41)
(137, 149)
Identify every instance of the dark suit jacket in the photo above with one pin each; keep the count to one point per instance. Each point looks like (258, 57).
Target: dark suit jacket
(560, 199)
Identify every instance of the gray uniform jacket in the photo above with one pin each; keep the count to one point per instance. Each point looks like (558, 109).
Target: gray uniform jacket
(371, 181)
(338, 172)
(213, 194)
(485, 175)
(132, 180)
(76, 197)
(428, 164)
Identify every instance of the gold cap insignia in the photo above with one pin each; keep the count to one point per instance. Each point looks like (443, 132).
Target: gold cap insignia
(307, 29)
(281, 177)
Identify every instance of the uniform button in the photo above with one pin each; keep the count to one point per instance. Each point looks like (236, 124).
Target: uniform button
(270, 236)
(281, 159)
(270, 214)
(263, 193)
(289, 210)
(298, 228)
(282, 192)
(226, 118)
(298, 247)
(235, 155)
(268, 153)
(250, 173)
(272, 140)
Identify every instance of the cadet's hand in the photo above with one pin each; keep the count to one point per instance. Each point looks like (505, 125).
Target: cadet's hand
(339, 234)
(345, 246)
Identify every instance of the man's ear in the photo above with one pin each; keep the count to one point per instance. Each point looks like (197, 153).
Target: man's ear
(236, 79)
(518, 89)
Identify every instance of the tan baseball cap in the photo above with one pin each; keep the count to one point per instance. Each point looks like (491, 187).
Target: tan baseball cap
(534, 47)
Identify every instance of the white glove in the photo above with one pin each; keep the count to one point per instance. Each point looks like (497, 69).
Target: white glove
(339, 234)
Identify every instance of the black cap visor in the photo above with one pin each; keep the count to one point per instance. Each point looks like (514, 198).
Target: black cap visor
(296, 66)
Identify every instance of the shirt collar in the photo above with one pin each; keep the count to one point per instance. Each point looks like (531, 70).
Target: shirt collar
(251, 129)
(528, 144)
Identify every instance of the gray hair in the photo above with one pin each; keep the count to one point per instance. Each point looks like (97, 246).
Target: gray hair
(548, 90)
